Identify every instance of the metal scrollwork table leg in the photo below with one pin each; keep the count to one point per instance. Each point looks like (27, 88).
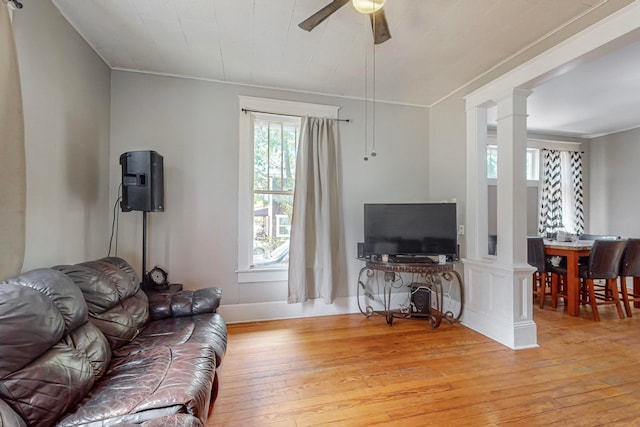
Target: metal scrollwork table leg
(433, 275)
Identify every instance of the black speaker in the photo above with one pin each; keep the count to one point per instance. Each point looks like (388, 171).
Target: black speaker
(142, 181)
(420, 299)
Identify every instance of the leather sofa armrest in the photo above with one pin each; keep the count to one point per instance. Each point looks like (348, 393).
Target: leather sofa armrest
(172, 303)
(8, 417)
(177, 420)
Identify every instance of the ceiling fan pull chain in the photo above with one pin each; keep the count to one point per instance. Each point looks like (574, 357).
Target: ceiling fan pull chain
(373, 139)
(366, 95)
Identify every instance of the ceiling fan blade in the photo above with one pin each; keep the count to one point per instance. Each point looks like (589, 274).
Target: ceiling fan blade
(380, 27)
(311, 22)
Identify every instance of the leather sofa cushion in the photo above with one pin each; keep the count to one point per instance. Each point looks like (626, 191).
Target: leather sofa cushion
(50, 386)
(208, 329)
(117, 305)
(149, 384)
(50, 355)
(91, 343)
(177, 420)
(184, 303)
(110, 286)
(29, 325)
(123, 266)
(9, 418)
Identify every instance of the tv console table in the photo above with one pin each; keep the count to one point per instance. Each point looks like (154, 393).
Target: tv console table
(445, 301)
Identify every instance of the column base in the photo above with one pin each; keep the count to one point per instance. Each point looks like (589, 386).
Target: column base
(499, 302)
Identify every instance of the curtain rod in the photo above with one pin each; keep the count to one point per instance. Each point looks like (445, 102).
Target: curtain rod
(571, 151)
(246, 110)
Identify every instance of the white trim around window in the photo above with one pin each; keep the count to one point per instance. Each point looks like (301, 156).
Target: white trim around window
(537, 144)
(245, 200)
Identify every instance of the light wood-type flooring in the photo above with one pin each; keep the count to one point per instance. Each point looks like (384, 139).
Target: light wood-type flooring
(349, 370)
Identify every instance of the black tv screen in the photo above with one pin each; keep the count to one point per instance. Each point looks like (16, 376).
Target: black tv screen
(410, 229)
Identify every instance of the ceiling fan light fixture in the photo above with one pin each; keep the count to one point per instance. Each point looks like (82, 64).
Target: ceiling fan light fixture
(368, 6)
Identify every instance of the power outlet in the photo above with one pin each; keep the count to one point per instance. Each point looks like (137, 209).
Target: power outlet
(461, 230)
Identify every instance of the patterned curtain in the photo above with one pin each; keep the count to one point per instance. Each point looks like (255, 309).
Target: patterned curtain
(561, 202)
(576, 173)
(551, 198)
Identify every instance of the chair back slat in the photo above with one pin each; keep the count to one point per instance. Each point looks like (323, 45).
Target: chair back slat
(631, 259)
(605, 258)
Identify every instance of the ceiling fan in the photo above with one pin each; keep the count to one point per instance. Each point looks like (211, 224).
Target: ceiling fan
(373, 8)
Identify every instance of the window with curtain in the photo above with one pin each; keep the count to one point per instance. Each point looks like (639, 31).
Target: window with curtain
(561, 201)
(269, 133)
(316, 263)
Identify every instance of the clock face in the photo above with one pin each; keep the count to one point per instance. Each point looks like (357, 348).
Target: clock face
(158, 276)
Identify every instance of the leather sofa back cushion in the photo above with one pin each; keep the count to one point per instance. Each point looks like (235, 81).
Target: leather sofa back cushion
(50, 355)
(117, 305)
(124, 266)
(36, 309)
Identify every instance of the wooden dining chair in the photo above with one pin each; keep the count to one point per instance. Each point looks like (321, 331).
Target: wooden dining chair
(541, 277)
(558, 282)
(603, 264)
(630, 267)
(557, 274)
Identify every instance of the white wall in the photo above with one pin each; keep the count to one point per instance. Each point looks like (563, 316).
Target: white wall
(447, 170)
(447, 118)
(65, 90)
(613, 184)
(448, 154)
(532, 209)
(194, 125)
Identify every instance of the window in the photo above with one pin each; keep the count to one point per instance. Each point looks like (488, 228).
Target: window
(284, 225)
(492, 162)
(533, 163)
(275, 143)
(268, 138)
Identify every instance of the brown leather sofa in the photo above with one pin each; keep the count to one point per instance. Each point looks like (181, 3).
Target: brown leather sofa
(83, 345)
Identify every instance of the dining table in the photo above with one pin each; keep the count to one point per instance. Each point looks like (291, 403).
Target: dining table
(572, 251)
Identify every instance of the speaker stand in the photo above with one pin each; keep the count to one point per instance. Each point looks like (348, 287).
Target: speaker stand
(144, 250)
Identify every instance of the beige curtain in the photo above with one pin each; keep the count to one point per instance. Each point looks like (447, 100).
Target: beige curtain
(315, 255)
(12, 157)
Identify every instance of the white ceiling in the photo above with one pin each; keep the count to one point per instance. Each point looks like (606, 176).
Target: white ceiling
(598, 98)
(437, 46)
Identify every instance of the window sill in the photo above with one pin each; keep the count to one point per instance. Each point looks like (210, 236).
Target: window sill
(263, 275)
(530, 182)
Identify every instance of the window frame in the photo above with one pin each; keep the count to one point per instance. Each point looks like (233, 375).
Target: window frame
(246, 274)
(532, 148)
(287, 225)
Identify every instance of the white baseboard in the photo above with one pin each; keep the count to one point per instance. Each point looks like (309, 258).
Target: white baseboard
(518, 336)
(239, 313)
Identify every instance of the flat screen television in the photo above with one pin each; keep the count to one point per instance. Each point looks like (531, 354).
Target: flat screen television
(410, 229)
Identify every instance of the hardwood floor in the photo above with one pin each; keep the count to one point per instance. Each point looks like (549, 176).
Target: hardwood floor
(352, 371)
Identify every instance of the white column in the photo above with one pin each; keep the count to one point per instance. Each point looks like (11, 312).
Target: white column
(476, 212)
(512, 179)
(498, 290)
